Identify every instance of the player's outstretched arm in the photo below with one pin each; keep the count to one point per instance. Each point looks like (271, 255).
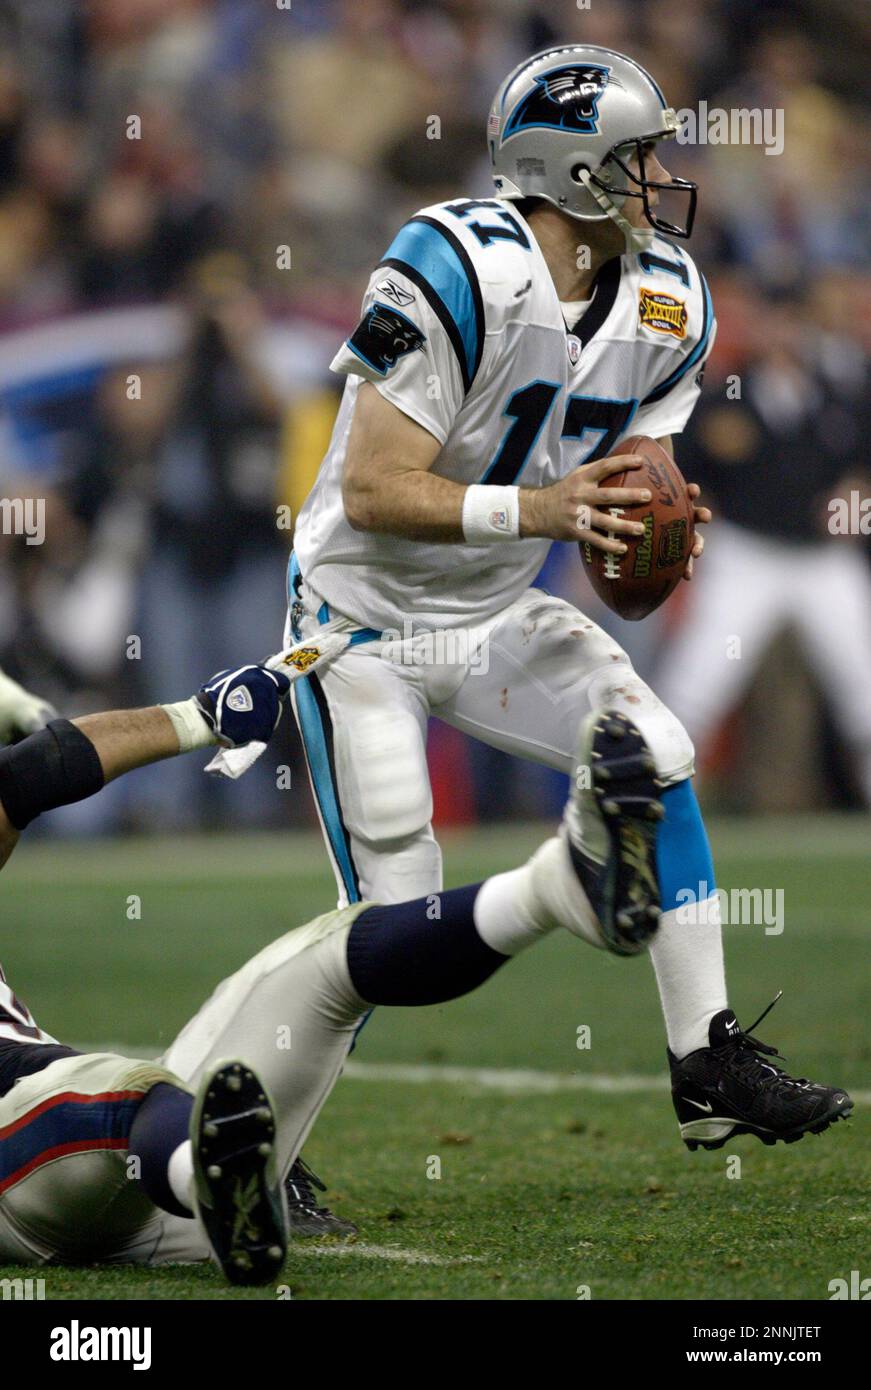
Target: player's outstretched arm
(70, 760)
(73, 759)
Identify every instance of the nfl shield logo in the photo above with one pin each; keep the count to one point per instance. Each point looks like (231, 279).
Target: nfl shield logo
(573, 346)
(240, 699)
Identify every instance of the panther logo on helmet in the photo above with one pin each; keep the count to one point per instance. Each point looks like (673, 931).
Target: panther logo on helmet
(565, 98)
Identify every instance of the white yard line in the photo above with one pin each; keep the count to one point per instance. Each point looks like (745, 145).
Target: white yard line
(299, 855)
(390, 1252)
(509, 1080)
(516, 1081)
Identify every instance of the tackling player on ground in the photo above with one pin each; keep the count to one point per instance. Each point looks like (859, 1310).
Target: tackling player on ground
(107, 1158)
(96, 1150)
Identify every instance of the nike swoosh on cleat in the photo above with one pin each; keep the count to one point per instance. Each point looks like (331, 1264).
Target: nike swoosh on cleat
(707, 1107)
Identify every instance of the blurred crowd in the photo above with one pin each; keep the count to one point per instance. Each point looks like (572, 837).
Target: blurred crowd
(192, 194)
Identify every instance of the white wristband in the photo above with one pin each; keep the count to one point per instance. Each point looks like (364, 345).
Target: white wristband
(190, 725)
(491, 514)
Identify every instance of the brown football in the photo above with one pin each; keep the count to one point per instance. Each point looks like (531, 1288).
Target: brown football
(636, 583)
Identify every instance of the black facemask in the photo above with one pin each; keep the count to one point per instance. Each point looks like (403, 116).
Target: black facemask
(642, 186)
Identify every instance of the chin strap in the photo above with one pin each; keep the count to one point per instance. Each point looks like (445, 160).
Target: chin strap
(636, 238)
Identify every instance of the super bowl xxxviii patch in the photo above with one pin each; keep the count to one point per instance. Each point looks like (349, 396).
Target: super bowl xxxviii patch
(302, 658)
(383, 335)
(662, 312)
(672, 543)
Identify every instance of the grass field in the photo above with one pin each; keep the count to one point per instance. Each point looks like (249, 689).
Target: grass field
(559, 1167)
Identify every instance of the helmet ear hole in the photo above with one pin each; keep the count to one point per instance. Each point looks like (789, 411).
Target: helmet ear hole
(576, 171)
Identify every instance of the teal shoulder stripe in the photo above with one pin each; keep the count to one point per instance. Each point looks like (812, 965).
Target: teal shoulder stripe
(437, 262)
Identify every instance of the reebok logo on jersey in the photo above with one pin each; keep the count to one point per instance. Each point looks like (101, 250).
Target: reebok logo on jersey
(240, 700)
(395, 293)
(573, 348)
(384, 335)
(662, 312)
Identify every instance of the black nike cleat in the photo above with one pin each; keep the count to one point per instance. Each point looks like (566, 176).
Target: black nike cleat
(612, 820)
(304, 1216)
(237, 1192)
(732, 1088)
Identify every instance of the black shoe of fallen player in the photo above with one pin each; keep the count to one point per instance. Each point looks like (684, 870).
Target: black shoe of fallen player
(237, 1192)
(732, 1087)
(612, 819)
(304, 1216)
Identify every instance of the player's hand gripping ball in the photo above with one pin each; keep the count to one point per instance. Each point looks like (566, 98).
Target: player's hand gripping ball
(244, 706)
(637, 582)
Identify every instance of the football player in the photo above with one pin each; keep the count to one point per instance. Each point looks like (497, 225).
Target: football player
(506, 346)
(106, 1158)
(22, 712)
(95, 1149)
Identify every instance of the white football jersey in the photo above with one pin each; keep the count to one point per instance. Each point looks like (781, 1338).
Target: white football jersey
(17, 1024)
(463, 331)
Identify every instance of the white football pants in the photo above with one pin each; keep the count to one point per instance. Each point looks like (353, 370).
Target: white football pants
(521, 682)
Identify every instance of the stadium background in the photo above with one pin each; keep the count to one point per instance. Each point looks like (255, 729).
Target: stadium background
(261, 129)
(267, 133)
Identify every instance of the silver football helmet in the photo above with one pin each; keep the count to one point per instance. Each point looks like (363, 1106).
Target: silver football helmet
(563, 126)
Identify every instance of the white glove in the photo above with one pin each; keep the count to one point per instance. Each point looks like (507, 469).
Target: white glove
(20, 712)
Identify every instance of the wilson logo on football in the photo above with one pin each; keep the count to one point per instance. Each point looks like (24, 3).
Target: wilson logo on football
(662, 312)
(644, 550)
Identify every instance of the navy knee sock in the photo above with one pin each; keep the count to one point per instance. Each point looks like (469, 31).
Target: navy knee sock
(421, 952)
(162, 1123)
